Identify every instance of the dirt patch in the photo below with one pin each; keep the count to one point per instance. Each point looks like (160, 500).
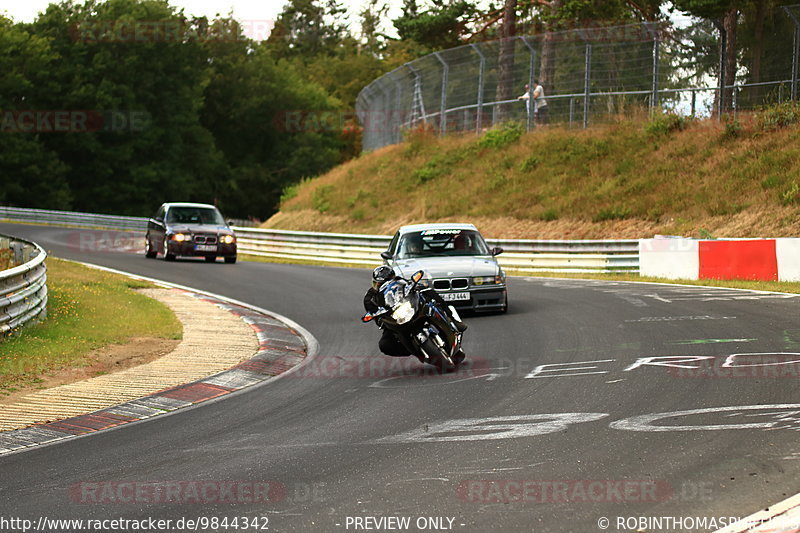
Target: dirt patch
(106, 360)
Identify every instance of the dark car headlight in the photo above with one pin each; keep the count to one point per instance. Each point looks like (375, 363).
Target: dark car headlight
(181, 237)
(227, 239)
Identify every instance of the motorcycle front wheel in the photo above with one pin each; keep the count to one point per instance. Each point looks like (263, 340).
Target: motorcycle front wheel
(437, 357)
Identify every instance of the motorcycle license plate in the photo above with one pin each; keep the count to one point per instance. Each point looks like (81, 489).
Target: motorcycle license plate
(452, 296)
(206, 247)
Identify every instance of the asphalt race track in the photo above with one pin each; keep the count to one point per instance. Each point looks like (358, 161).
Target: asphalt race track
(620, 424)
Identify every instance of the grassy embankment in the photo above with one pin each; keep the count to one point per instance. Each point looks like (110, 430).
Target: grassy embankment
(634, 178)
(87, 310)
(629, 179)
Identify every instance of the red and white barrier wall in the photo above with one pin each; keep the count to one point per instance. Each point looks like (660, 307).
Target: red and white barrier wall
(750, 259)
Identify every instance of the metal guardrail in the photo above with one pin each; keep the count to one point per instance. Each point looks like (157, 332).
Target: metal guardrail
(70, 218)
(23, 288)
(523, 255)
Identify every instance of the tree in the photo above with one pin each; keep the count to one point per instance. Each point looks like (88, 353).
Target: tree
(726, 14)
(308, 28)
(439, 27)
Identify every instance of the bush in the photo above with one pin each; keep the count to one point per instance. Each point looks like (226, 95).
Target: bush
(320, 198)
(549, 215)
(791, 195)
(732, 129)
(665, 123)
(502, 135)
(529, 164)
(616, 212)
(778, 116)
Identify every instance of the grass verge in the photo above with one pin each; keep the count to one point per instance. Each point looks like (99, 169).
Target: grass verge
(87, 309)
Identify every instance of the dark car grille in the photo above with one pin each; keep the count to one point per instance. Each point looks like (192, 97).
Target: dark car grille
(447, 284)
(205, 239)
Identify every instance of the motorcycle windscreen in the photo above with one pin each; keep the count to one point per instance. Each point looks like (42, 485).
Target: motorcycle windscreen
(394, 292)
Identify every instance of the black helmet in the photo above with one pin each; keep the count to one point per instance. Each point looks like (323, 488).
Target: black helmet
(381, 275)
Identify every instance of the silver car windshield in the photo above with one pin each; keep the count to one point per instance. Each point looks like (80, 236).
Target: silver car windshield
(441, 242)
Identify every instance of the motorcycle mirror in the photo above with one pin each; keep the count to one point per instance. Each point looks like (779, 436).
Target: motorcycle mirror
(417, 276)
(366, 318)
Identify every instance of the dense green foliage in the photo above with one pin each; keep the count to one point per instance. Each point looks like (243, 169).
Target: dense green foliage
(199, 114)
(159, 106)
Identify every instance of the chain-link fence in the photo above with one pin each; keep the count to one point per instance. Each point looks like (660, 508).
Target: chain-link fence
(586, 75)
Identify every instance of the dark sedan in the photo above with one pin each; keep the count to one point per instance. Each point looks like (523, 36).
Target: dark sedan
(185, 229)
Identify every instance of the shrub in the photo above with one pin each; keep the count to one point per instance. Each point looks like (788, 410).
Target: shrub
(791, 195)
(529, 164)
(778, 116)
(549, 215)
(320, 198)
(502, 135)
(732, 129)
(616, 212)
(290, 191)
(665, 123)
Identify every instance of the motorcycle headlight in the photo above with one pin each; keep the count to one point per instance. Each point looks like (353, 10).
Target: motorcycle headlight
(403, 312)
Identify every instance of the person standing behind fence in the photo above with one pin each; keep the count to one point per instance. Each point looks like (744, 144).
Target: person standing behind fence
(527, 98)
(539, 103)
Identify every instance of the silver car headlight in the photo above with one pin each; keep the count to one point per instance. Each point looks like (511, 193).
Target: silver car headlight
(403, 312)
(488, 280)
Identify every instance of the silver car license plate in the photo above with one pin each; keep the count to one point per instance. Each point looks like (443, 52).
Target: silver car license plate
(205, 247)
(450, 296)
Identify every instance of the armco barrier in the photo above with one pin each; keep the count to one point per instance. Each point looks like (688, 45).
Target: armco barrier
(579, 256)
(23, 288)
(746, 259)
(522, 255)
(69, 218)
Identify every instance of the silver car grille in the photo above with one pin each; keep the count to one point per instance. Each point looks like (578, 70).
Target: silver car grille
(205, 239)
(450, 284)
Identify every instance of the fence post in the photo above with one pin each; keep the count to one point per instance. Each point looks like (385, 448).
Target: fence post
(586, 88)
(723, 44)
(795, 49)
(443, 105)
(571, 111)
(656, 50)
(481, 71)
(530, 107)
(397, 115)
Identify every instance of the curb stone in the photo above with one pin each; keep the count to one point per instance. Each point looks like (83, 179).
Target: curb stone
(281, 347)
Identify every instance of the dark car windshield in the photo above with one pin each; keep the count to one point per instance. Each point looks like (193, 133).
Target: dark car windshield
(441, 242)
(195, 215)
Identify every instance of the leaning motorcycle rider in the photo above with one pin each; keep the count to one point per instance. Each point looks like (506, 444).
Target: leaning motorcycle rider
(373, 301)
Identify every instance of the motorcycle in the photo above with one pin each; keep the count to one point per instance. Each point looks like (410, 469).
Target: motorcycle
(419, 322)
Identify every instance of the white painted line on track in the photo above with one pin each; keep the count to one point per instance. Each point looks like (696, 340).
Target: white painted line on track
(766, 519)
